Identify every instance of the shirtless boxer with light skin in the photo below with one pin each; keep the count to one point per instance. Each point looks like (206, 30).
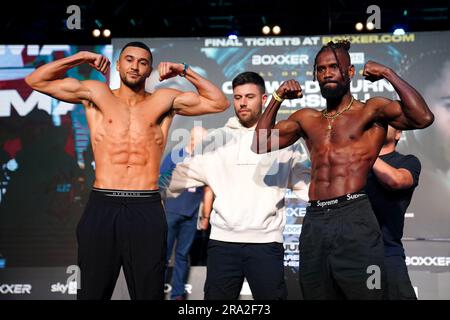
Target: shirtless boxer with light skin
(340, 236)
(124, 222)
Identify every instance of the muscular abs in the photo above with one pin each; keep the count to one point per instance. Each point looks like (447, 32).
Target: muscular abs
(342, 157)
(128, 143)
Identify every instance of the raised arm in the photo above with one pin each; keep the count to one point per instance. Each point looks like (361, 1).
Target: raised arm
(209, 99)
(411, 112)
(269, 136)
(49, 80)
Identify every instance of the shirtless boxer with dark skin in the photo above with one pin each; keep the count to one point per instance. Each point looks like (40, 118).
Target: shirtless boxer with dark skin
(340, 237)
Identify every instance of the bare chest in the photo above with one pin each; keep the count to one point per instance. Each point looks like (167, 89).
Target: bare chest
(131, 125)
(344, 139)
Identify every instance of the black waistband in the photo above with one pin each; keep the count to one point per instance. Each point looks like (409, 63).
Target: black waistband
(127, 193)
(330, 203)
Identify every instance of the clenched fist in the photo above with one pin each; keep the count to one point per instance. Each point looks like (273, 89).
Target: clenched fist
(374, 71)
(169, 70)
(290, 89)
(97, 61)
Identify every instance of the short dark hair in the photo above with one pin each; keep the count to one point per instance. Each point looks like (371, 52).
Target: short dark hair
(343, 45)
(249, 77)
(138, 44)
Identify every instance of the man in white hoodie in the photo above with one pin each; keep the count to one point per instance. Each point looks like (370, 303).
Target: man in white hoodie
(248, 217)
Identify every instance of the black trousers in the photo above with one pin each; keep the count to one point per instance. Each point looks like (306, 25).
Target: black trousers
(260, 263)
(399, 285)
(122, 229)
(341, 252)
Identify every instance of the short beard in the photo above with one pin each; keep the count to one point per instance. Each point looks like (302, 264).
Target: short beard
(132, 85)
(249, 122)
(333, 93)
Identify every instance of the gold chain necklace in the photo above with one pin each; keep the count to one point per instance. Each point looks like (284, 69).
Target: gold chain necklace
(337, 114)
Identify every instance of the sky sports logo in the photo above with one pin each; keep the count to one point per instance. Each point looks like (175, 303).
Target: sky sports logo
(69, 288)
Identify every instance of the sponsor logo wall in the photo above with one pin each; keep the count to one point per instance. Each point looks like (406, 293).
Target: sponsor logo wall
(44, 144)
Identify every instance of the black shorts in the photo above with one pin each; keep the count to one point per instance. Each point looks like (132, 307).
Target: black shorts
(399, 285)
(341, 250)
(122, 228)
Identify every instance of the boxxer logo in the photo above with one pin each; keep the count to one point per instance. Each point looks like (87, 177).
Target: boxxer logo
(15, 288)
(292, 229)
(428, 261)
(295, 212)
(270, 59)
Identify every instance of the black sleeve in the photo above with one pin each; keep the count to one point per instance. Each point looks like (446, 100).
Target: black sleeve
(412, 164)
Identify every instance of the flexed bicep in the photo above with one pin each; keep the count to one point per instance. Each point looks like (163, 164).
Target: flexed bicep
(270, 136)
(193, 104)
(411, 112)
(282, 135)
(285, 133)
(209, 99)
(68, 90)
(49, 78)
(390, 112)
(189, 104)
